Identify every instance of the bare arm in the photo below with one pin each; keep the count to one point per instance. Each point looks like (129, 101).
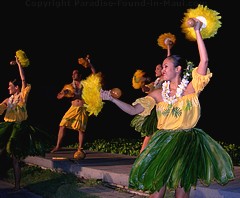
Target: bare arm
(60, 95)
(4, 102)
(203, 64)
(65, 92)
(90, 65)
(21, 72)
(3, 106)
(169, 46)
(92, 69)
(127, 108)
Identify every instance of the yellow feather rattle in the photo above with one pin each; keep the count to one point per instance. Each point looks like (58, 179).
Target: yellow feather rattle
(91, 93)
(166, 39)
(22, 58)
(138, 79)
(85, 62)
(210, 22)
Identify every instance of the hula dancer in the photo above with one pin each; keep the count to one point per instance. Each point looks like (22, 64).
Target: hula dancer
(178, 154)
(19, 139)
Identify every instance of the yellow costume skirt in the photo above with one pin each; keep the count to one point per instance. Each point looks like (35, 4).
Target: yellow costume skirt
(75, 118)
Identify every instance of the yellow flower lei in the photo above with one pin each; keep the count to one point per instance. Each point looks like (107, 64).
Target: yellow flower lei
(181, 87)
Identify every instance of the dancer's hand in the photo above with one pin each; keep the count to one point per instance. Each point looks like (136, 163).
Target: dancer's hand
(17, 61)
(198, 24)
(106, 95)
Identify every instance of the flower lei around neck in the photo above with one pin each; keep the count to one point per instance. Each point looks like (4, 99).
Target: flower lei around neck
(13, 100)
(187, 74)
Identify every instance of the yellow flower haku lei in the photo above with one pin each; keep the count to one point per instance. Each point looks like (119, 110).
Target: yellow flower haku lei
(210, 19)
(22, 58)
(138, 79)
(91, 93)
(164, 38)
(181, 87)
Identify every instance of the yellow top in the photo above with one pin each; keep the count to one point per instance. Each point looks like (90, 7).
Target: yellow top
(185, 112)
(16, 108)
(147, 102)
(3, 107)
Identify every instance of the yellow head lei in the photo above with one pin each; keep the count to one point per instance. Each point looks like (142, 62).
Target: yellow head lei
(164, 38)
(22, 58)
(209, 18)
(138, 80)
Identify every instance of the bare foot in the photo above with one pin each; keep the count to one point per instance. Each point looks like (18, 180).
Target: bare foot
(80, 149)
(55, 149)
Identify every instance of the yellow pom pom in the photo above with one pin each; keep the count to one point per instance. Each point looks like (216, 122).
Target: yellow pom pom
(166, 38)
(22, 58)
(91, 93)
(138, 80)
(85, 62)
(209, 18)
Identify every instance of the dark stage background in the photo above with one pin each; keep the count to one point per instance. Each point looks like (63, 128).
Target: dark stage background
(120, 38)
